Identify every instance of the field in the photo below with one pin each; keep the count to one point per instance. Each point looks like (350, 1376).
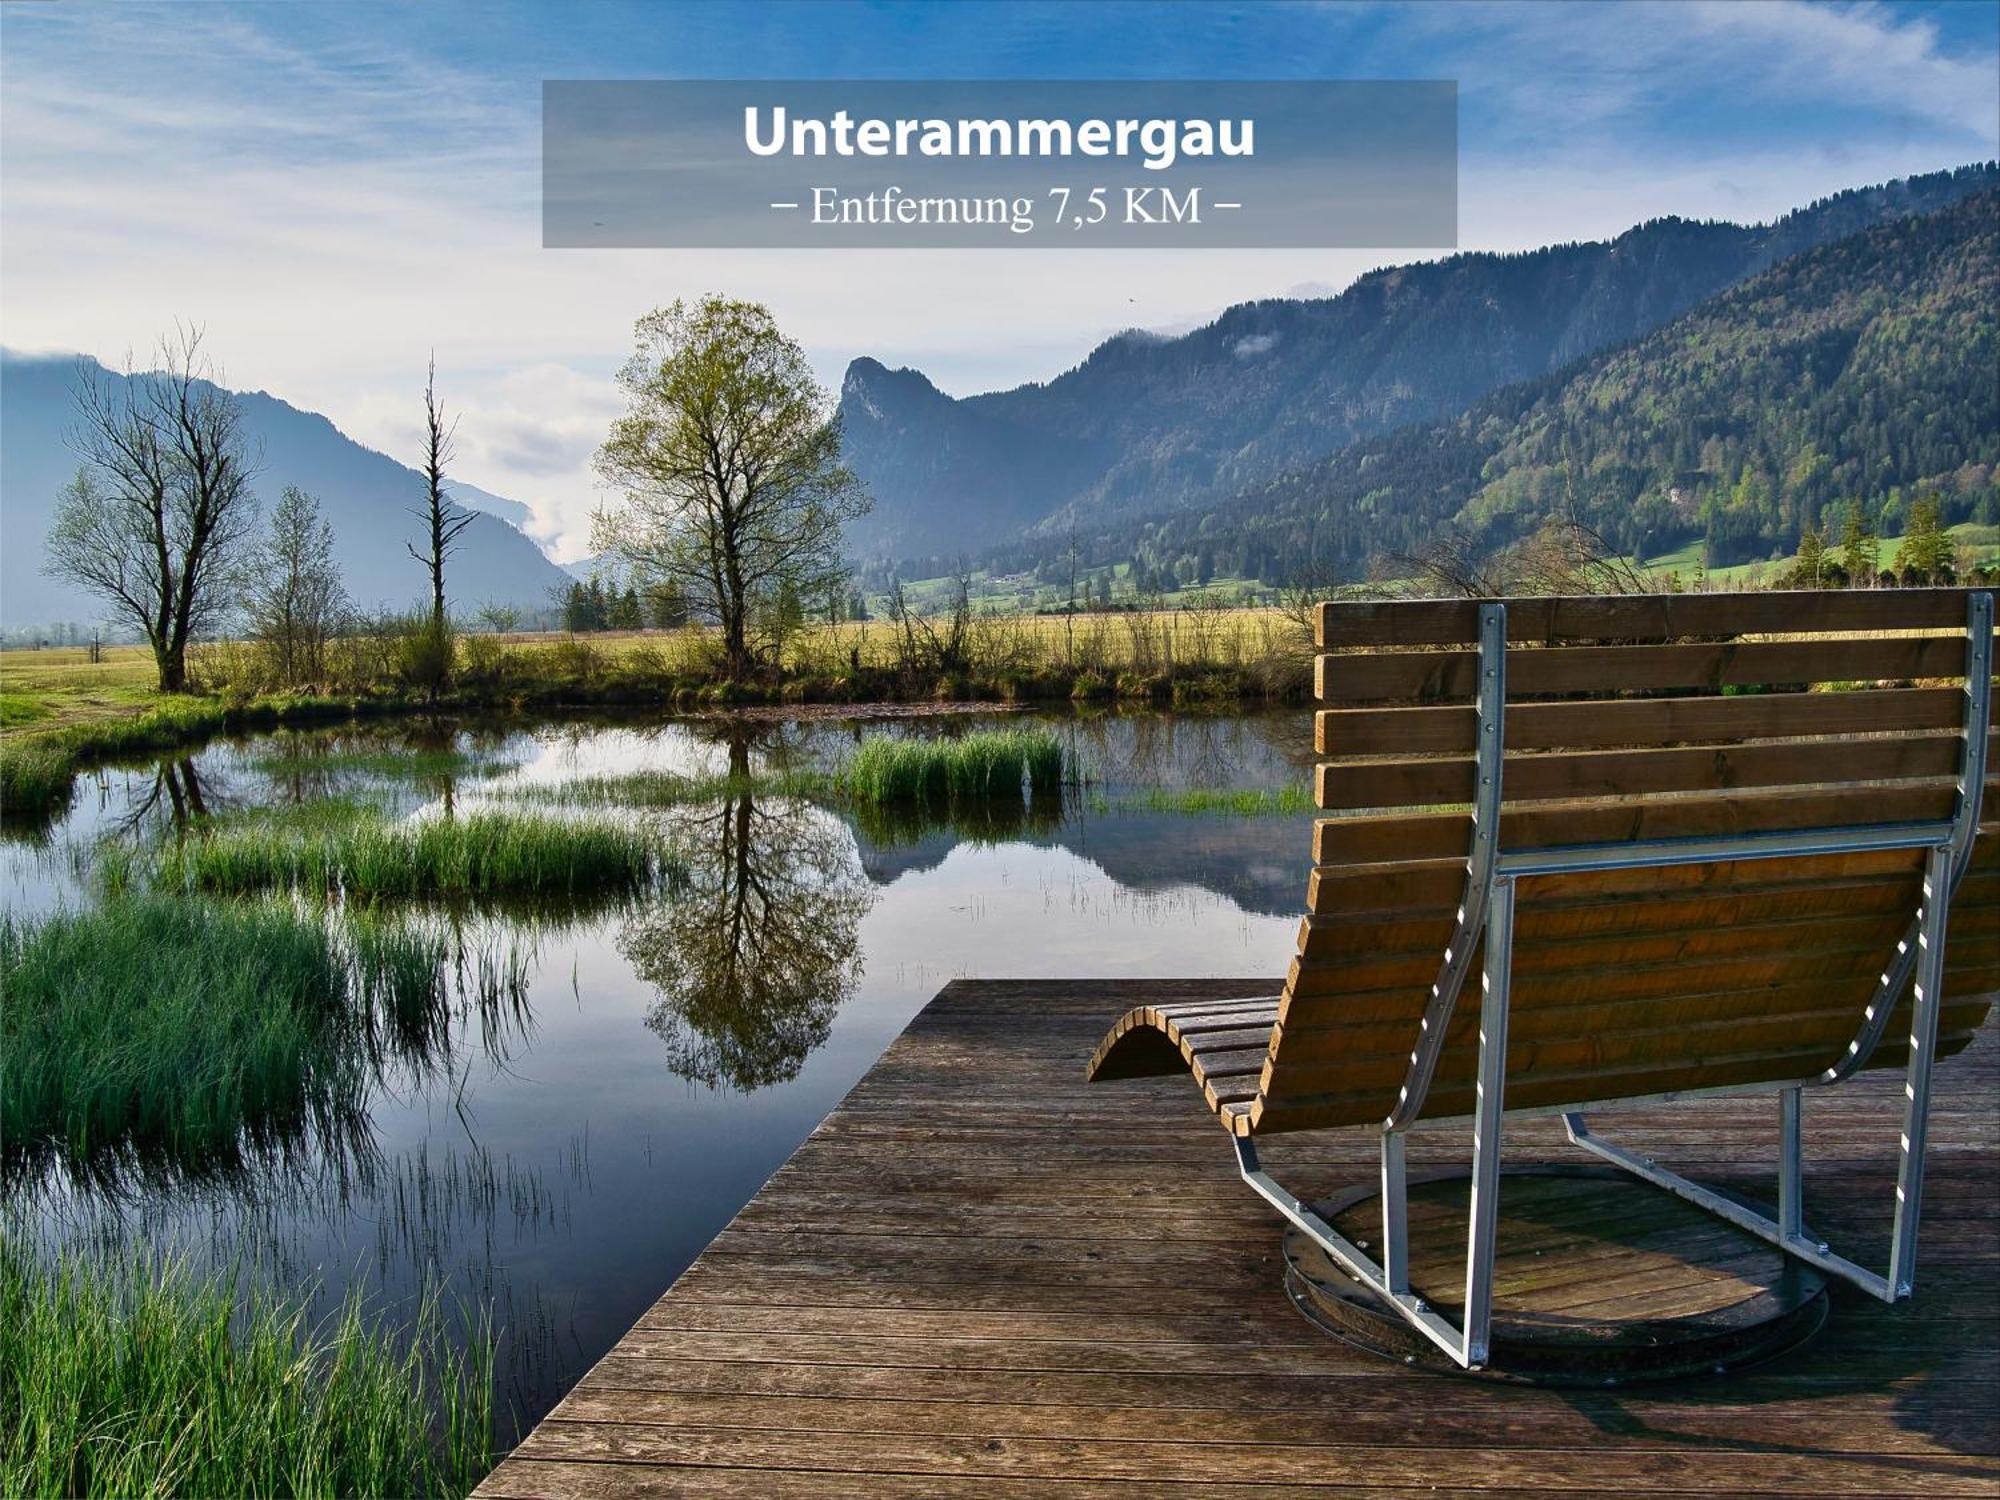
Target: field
(1977, 545)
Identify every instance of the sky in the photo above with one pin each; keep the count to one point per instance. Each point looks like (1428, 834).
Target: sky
(334, 190)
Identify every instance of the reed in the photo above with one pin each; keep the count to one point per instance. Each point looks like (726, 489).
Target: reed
(987, 765)
(168, 1032)
(654, 789)
(125, 1375)
(483, 854)
(1231, 802)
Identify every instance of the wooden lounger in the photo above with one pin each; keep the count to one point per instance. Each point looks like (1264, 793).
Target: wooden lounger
(1718, 852)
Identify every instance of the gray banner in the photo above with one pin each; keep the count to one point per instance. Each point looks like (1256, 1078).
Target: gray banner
(986, 165)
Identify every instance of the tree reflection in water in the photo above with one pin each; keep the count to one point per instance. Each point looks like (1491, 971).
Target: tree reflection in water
(758, 947)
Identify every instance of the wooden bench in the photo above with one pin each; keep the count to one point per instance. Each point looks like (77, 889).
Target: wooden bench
(1714, 842)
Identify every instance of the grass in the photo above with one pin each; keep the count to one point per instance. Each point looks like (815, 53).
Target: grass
(987, 765)
(175, 1033)
(1231, 802)
(1979, 544)
(657, 789)
(122, 1376)
(362, 858)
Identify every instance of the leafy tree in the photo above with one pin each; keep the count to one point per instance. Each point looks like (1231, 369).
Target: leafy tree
(1860, 548)
(1926, 555)
(729, 460)
(499, 618)
(295, 598)
(160, 516)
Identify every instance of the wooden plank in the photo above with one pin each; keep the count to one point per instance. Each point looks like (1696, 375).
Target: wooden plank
(1649, 772)
(1643, 722)
(1415, 837)
(984, 1276)
(1430, 676)
(1642, 617)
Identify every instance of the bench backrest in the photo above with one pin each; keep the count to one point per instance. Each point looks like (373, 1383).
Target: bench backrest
(1631, 719)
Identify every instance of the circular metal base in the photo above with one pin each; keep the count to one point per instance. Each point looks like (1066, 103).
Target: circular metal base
(1599, 1280)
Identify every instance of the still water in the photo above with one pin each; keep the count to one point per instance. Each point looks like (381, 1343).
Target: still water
(563, 1150)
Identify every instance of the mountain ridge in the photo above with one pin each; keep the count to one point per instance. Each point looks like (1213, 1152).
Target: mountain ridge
(369, 498)
(1148, 424)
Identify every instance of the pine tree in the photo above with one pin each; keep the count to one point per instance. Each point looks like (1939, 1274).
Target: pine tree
(1926, 554)
(1860, 548)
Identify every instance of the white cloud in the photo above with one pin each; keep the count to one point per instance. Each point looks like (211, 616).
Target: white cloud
(332, 215)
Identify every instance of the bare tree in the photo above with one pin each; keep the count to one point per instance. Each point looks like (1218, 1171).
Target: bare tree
(444, 520)
(160, 514)
(296, 600)
(729, 458)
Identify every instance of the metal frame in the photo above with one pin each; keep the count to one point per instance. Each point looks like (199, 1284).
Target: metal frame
(1488, 908)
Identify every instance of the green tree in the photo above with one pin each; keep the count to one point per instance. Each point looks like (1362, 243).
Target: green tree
(1809, 572)
(1926, 555)
(295, 599)
(729, 460)
(1860, 548)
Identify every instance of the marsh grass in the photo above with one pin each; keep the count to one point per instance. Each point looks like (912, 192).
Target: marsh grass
(987, 765)
(171, 1034)
(661, 789)
(124, 1375)
(365, 859)
(1230, 802)
(162, 1040)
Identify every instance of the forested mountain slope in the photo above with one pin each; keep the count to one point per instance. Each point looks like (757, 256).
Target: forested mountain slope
(1147, 424)
(1867, 369)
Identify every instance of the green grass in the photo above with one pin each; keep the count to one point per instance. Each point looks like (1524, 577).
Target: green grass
(654, 789)
(481, 854)
(990, 764)
(1239, 802)
(170, 1033)
(123, 1376)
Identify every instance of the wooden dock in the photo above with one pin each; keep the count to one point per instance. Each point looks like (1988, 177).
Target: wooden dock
(982, 1276)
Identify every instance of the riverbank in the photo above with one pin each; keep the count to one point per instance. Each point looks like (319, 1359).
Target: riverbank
(66, 714)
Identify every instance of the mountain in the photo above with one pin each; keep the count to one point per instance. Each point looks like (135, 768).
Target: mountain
(1865, 369)
(368, 497)
(472, 497)
(1149, 424)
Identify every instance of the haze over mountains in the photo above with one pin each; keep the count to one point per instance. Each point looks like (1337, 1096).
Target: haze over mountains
(1148, 426)
(368, 496)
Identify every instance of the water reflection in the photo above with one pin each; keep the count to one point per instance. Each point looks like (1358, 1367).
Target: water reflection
(533, 1153)
(755, 948)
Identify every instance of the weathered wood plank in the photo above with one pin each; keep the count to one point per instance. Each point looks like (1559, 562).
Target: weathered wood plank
(1430, 676)
(1642, 617)
(983, 1276)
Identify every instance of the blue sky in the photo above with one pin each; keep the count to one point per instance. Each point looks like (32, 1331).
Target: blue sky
(333, 189)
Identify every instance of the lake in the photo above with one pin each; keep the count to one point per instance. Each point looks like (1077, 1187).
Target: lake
(609, 1086)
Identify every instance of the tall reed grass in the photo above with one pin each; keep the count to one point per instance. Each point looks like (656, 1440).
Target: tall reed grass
(166, 1033)
(990, 764)
(121, 1375)
(482, 854)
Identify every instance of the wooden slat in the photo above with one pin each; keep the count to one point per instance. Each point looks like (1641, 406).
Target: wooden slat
(1655, 617)
(1643, 722)
(1447, 835)
(1375, 676)
(1631, 773)
(1358, 901)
